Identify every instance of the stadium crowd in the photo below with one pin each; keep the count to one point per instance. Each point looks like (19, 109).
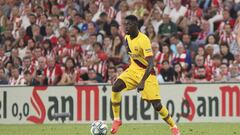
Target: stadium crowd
(65, 42)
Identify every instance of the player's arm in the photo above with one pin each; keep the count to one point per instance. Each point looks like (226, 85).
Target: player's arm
(150, 66)
(148, 55)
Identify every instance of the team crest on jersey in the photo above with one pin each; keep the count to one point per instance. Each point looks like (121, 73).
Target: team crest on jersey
(136, 48)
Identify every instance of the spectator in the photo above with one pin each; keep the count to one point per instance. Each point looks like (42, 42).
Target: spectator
(149, 31)
(70, 72)
(8, 46)
(226, 20)
(107, 22)
(14, 54)
(87, 47)
(237, 59)
(193, 11)
(160, 79)
(211, 41)
(8, 67)
(167, 72)
(39, 75)
(179, 30)
(217, 61)
(50, 35)
(3, 78)
(139, 10)
(107, 45)
(208, 56)
(174, 40)
(156, 20)
(2, 64)
(234, 73)
(17, 62)
(21, 48)
(53, 72)
(48, 49)
(198, 73)
(3, 22)
(122, 13)
(31, 44)
(188, 78)
(30, 80)
(43, 23)
(228, 57)
(28, 53)
(205, 26)
(178, 75)
(72, 49)
(107, 8)
(227, 35)
(118, 52)
(112, 74)
(186, 40)
(182, 57)
(27, 65)
(114, 29)
(92, 77)
(201, 51)
(37, 37)
(156, 53)
(201, 72)
(3, 56)
(224, 72)
(166, 54)
(120, 69)
(16, 78)
(32, 19)
(93, 9)
(167, 27)
(37, 53)
(98, 60)
(178, 11)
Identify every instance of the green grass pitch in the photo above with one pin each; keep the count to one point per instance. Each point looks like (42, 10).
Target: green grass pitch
(126, 129)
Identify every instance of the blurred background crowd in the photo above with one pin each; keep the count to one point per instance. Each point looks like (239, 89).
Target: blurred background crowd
(66, 42)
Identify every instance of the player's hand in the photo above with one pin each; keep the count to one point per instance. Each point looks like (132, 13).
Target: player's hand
(140, 86)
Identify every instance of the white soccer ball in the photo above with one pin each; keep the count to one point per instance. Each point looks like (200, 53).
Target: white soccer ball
(99, 128)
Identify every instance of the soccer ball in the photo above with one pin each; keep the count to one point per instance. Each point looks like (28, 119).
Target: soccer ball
(99, 128)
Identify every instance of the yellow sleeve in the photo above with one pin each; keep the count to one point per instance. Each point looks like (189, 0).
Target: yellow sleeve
(146, 47)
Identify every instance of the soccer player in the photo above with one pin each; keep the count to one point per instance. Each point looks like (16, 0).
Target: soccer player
(140, 75)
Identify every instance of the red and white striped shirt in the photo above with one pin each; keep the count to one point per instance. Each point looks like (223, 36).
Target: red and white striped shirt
(208, 61)
(4, 58)
(100, 68)
(227, 38)
(231, 22)
(51, 74)
(181, 58)
(70, 51)
(193, 13)
(160, 57)
(73, 74)
(31, 69)
(19, 81)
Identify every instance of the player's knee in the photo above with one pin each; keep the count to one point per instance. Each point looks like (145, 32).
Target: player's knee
(157, 106)
(118, 86)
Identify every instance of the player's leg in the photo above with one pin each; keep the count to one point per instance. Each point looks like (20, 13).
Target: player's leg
(116, 98)
(126, 81)
(151, 93)
(162, 110)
